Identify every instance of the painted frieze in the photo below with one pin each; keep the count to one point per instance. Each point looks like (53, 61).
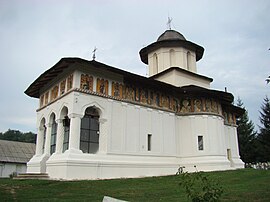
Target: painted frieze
(86, 82)
(197, 105)
(46, 97)
(214, 107)
(102, 86)
(69, 82)
(54, 92)
(62, 87)
(185, 106)
(130, 93)
(41, 101)
(117, 90)
(165, 101)
(208, 105)
(144, 96)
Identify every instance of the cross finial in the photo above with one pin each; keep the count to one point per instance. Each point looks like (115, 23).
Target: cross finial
(94, 53)
(169, 23)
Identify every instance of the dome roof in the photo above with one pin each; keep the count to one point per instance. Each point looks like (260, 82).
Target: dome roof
(171, 35)
(171, 38)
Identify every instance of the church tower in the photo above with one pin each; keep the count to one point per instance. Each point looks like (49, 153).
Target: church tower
(172, 59)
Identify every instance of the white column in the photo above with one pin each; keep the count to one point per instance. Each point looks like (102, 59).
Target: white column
(48, 139)
(74, 134)
(39, 141)
(59, 136)
(103, 135)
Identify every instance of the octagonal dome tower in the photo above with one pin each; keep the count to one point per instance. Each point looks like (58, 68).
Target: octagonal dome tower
(171, 50)
(172, 59)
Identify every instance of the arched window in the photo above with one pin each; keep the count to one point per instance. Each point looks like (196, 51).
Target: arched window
(89, 137)
(188, 61)
(172, 58)
(66, 125)
(43, 130)
(155, 63)
(53, 134)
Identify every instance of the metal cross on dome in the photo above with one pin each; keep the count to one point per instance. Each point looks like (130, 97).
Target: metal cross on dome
(94, 53)
(169, 23)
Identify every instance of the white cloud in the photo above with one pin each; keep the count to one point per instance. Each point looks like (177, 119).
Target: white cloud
(34, 35)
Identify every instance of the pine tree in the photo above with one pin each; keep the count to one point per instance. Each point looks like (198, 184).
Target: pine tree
(246, 136)
(264, 134)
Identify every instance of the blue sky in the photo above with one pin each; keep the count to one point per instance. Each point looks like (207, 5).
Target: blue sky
(34, 35)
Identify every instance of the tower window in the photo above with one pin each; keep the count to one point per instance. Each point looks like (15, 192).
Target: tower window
(172, 58)
(200, 142)
(188, 60)
(155, 66)
(149, 142)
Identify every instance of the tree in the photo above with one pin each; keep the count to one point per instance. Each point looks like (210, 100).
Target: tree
(16, 135)
(264, 134)
(246, 136)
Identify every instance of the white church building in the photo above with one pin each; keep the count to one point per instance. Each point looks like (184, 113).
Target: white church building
(96, 121)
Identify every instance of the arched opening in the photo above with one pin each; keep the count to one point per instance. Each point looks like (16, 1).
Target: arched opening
(172, 58)
(89, 137)
(42, 129)
(155, 64)
(66, 124)
(188, 61)
(53, 133)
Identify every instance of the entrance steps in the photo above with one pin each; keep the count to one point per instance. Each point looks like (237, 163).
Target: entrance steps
(32, 176)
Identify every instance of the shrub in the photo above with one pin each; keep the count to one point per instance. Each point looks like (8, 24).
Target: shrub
(14, 174)
(199, 187)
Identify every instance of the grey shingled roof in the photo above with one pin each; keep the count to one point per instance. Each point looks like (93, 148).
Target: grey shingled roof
(16, 152)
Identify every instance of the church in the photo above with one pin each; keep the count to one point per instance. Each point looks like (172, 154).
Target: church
(96, 121)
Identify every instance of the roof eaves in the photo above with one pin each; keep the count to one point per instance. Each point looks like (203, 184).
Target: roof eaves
(33, 89)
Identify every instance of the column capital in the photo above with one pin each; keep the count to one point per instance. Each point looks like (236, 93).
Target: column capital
(59, 121)
(48, 125)
(74, 115)
(41, 128)
(103, 120)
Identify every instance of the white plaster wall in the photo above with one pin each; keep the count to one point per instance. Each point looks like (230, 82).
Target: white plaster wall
(130, 125)
(231, 142)
(213, 156)
(179, 79)
(163, 55)
(8, 168)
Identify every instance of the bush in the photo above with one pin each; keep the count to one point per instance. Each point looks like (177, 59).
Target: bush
(14, 174)
(200, 188)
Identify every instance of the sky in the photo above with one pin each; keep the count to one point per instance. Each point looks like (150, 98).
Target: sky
(34, 35)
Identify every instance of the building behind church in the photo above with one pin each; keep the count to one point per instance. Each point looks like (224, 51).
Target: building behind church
(96, 121)
(14, 157)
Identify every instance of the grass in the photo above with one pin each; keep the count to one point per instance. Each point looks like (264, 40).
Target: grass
(238, 185)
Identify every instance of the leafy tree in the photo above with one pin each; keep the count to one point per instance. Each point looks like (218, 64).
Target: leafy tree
(16, 135)
(246, 136)
(264, 134)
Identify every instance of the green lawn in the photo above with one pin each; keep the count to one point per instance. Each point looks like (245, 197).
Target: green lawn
(239, 185)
